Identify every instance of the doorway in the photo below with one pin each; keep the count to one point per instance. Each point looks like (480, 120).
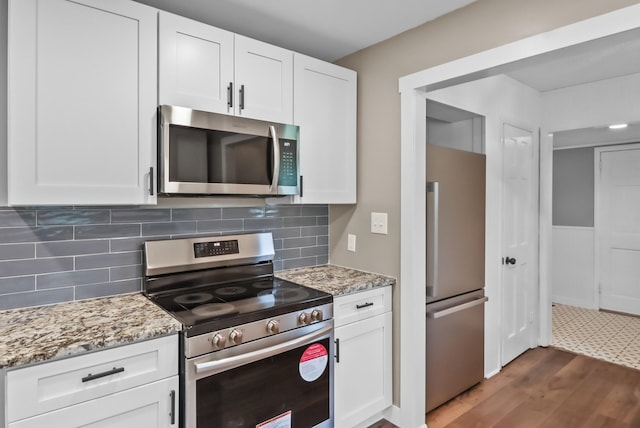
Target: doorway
(413, 89)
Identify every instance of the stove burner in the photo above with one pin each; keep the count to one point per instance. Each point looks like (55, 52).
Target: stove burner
(286, 294)
(214, 310)
(263, 285)
(193, 298)
(230, 291)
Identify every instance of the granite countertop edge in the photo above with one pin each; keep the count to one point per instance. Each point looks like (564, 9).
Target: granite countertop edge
(336, 280)
(45, 333)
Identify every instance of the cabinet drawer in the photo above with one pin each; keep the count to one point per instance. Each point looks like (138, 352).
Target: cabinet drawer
(358, 306)
(154, 405)
(41, 388)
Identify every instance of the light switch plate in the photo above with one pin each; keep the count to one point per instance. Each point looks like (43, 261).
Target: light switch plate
(379, 223)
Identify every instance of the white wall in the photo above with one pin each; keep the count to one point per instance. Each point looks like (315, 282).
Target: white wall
(573, 261)
(462, 135)
(499, 99)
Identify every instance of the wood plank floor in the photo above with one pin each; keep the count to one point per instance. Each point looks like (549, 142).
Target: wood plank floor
(548, 388)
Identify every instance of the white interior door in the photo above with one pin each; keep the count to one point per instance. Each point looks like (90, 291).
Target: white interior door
(519, 219)
(618, 227)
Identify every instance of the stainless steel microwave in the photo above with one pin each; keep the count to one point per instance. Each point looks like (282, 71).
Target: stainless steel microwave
(203, 153)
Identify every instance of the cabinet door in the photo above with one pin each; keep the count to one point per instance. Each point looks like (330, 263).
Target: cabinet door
(362, 370)
(325, 109)
(81, 102)
(151, 405)
(195, 64)
(263, 80)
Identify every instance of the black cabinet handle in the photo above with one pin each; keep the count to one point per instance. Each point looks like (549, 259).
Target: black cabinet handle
(510, 261)
(113, 371)
(241, 97)
(151, 180)
(230, 95)
(365, 305)
(301, 186)
(337, 342)
(173, 407)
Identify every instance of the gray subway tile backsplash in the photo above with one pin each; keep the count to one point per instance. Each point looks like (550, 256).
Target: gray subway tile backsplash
(56, 254)
(70, 216)
(72, 278)
(71, 248)
(17, 284)
(17, 251)
(107, 231)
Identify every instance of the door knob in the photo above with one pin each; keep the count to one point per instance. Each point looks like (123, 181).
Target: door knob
(510, 261)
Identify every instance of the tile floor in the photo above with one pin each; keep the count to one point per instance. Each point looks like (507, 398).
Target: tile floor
(603, 335)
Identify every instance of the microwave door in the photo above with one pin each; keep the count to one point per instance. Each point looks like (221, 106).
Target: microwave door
(273, 189)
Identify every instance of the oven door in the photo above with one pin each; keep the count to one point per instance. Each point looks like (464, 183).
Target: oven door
(283, 381)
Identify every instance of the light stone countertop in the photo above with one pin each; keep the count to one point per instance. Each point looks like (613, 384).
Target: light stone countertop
(336, 280)
(42, 333)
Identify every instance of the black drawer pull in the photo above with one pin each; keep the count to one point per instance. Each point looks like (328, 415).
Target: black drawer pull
(113, 371)
(365, 305)
(172, 415)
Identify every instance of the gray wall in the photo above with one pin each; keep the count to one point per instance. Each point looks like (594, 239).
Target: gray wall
(57, 254)
(573, 174)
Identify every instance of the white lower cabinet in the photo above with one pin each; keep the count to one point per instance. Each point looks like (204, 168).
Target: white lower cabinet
(150, 405)
(134, 385)
(363, 370)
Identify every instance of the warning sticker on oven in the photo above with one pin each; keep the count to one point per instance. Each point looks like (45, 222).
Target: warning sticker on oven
(280, 421)
(313, 362)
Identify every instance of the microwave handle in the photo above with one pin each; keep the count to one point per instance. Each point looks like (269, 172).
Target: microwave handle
(276, 160)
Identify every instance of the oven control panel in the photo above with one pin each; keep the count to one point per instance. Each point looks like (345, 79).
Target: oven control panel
(215, 248)
(243, 333)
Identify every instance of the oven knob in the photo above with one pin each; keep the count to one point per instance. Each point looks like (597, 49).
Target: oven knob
(235, 337)
(303, 318)
(316, 315)
(273, 327)
(218, 341)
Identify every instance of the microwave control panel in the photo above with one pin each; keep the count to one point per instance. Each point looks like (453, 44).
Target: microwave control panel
(288, 163)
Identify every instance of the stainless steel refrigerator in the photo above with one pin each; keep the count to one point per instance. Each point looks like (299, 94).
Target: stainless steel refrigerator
(455, 272)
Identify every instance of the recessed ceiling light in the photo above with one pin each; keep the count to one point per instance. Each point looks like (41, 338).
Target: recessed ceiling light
(618, 126)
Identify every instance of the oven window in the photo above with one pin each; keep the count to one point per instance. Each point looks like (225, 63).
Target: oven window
(205, 156)
(269, 389)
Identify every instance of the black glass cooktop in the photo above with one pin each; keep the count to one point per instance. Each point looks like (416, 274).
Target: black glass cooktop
(213, 307)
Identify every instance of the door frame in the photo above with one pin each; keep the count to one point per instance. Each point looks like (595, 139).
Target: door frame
(597, 221)
(413, 88)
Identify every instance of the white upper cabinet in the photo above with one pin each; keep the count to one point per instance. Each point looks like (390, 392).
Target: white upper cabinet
(206, 68)
(264, 81)
(195, 64)
(81, 102)
(325, 109)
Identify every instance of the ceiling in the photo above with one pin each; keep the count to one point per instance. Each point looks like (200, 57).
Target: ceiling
(600, 59)
(327, 29)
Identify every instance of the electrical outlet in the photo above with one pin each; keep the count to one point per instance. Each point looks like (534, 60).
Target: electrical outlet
(379, 223)
(351, 243)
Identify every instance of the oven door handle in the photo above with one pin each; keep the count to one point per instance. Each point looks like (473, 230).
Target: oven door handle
(213, 367)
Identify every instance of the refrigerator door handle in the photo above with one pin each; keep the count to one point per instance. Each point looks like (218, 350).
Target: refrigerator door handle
(453, 310)
(432, 265)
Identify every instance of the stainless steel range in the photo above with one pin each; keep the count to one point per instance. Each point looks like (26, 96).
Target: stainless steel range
(258, 350)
